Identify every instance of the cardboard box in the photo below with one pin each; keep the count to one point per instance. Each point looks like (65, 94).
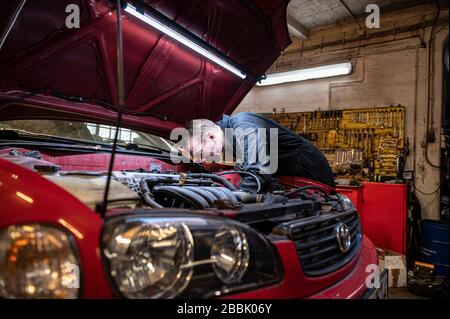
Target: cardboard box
(395, 264)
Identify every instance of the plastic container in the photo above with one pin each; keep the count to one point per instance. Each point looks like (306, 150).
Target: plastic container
(434, 245)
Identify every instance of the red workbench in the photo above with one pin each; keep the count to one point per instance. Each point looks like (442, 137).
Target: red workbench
(383, 212)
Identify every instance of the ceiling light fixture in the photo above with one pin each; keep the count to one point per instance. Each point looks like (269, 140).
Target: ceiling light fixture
(177, 36)
(319, 72)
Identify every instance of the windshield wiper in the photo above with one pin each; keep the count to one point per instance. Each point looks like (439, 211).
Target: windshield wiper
(14, 134)
(143, 147)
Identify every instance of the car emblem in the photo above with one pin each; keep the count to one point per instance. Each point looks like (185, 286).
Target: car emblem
(343, 237)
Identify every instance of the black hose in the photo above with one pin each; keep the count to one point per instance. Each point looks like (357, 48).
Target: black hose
(145, 192)
(258, 182)
(215, 178)
(305, 188)
(148, 200)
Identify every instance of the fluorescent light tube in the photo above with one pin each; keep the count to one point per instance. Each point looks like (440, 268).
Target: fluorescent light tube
(183, 40)
(324, 71)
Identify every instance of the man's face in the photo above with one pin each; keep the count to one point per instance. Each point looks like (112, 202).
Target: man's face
(209, 146)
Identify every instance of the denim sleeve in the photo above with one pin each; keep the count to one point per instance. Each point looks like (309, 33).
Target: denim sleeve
(252, 145)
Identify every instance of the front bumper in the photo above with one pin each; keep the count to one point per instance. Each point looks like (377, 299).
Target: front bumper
(351, 286)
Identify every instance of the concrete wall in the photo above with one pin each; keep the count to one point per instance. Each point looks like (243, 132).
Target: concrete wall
(388, 70)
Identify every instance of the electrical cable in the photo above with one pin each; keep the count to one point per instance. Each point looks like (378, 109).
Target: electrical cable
(354, 16)
(430, 82)
(423, 193)
(306, 188)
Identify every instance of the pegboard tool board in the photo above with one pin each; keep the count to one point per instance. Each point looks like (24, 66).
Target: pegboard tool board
(360, 144)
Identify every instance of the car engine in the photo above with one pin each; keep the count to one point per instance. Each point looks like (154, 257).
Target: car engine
(308, 215)
(204, 191)
(200, 210)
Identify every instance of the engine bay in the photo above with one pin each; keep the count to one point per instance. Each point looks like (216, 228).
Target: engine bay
(323, 225)
(202, 193)
(217, 193)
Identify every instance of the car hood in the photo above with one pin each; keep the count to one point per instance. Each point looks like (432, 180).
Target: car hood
(52, 72)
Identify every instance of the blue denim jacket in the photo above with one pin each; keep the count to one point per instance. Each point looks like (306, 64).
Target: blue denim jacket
(296, 155)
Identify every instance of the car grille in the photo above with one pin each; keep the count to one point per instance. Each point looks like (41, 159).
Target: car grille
(317, 246)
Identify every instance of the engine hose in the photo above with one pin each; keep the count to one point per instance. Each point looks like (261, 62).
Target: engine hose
(215, 178)
(245, 197)
(182, 194)
(145, 192)
(258, 182)
(306, 188)
(148, 200)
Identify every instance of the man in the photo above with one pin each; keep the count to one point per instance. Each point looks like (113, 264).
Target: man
(296, 155)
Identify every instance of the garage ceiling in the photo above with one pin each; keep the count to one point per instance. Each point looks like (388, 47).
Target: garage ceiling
(305, 15)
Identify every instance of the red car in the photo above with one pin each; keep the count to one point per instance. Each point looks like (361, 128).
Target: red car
(169, 231)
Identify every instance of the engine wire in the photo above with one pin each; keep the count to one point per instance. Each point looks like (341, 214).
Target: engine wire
(296, 190)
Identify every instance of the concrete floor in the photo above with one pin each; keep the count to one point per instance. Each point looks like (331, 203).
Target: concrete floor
(403, 293)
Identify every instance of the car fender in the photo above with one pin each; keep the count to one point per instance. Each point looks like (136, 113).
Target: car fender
(27, 197)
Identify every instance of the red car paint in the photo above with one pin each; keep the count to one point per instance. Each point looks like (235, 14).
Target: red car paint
(48, 203)
(165, 82)
(296, 285)
(96, 162)
(51, 204)
(165, 85)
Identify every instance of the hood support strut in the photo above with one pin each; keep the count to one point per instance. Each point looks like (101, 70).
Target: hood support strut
(121, 99)
(11, 23)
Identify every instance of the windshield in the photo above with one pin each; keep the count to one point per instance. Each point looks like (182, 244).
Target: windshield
(87, 132)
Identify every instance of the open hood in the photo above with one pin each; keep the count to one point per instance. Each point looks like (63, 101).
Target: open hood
(52, 72)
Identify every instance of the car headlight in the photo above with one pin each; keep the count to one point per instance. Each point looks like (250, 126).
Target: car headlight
(37, 261)
(167, 256)
(346, 203)
(229, 254)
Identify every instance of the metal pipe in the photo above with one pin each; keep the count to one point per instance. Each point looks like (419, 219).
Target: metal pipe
(11, 23)
(120, 93)
(430, 88)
